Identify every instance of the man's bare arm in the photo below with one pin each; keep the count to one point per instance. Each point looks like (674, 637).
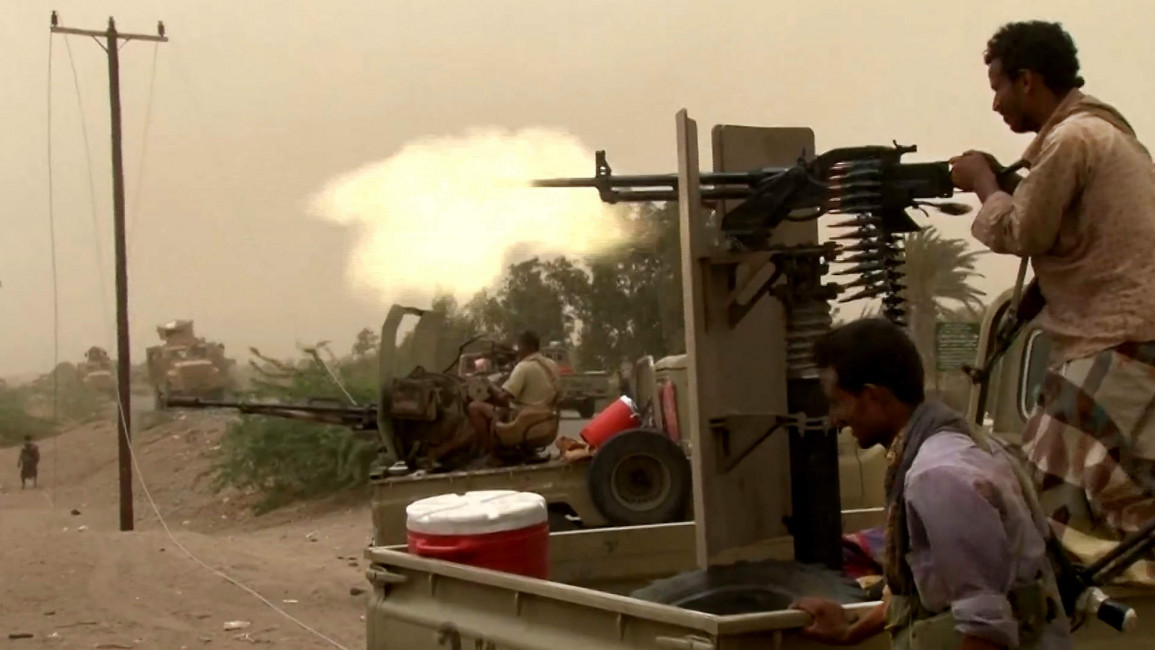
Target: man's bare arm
(831, 626)
(874, 622)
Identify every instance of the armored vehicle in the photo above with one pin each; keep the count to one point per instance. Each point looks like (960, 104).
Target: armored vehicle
(97, 371)
(187, 365)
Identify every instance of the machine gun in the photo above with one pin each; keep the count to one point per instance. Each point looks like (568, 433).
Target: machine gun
(357, 418)
(738, 257)
(869, 182)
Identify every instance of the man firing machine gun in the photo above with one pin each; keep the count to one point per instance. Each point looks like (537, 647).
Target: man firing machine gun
(874, 188)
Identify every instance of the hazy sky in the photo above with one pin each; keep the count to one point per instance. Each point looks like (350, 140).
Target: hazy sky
(256, 106)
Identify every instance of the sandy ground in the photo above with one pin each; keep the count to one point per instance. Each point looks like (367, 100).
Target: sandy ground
(71, 579)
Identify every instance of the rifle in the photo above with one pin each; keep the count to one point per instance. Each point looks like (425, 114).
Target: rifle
(1080, 588)
(357, 418)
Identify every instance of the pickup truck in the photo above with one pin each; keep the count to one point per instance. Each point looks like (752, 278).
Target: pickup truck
(421, 603)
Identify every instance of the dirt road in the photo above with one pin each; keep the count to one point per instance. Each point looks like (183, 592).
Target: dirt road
(76, 581)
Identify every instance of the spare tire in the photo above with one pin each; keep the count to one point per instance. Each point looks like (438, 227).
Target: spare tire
(640, 477)
(751, 587)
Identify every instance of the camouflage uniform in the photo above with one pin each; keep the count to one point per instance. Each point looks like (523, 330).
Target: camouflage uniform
(1091, 444)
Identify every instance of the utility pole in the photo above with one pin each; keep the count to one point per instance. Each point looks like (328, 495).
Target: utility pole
(111, 46)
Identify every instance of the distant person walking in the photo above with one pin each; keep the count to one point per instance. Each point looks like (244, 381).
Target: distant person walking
(29, 462)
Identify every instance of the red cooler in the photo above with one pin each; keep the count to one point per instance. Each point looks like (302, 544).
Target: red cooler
(501, 530)
(618, 417)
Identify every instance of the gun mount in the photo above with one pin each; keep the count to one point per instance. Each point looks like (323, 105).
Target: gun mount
(751, 234)
(870, 183)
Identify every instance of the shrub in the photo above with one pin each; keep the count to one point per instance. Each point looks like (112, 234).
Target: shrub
(287, 460)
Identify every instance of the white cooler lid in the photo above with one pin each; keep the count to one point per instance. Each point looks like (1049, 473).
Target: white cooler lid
(476, 513)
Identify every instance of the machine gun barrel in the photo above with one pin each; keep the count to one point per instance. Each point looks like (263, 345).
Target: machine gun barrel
(358, 418)
(662, 187)
(869, 179)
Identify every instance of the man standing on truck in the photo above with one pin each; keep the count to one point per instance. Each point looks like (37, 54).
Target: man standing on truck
(532, 385)
(965, 562)
(1085, 216)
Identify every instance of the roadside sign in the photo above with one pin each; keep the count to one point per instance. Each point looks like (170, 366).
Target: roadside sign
(955, 344)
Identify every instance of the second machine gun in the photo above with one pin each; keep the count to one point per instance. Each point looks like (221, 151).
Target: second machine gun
(356, 418)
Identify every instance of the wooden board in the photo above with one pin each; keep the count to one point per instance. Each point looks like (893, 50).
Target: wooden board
(740, 369)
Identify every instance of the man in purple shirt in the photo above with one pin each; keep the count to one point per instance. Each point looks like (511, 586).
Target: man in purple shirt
(966, 562)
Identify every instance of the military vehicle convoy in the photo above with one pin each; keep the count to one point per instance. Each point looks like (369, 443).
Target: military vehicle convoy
(187, 365)
(767, 486)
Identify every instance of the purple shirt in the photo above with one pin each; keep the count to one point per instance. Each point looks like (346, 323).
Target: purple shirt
(973, 539)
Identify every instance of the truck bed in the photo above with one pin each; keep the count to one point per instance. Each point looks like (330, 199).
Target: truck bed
(421, 603)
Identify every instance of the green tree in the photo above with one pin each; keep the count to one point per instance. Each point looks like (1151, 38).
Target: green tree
(629, 301)
(366, 343)
(15, 420)
(530, 299)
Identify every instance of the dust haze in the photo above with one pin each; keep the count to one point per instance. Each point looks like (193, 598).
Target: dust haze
(283, 183)
(449, 214)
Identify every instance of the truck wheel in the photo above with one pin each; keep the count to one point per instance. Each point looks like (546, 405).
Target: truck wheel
(640, 477)
(586, 409)
(751, 587)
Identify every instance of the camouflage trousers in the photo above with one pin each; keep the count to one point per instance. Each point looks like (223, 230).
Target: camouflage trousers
(1090, 443)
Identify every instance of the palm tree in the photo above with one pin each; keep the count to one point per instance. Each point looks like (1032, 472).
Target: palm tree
(938, 271)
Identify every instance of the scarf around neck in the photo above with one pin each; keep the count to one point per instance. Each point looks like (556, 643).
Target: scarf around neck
(928, 419)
